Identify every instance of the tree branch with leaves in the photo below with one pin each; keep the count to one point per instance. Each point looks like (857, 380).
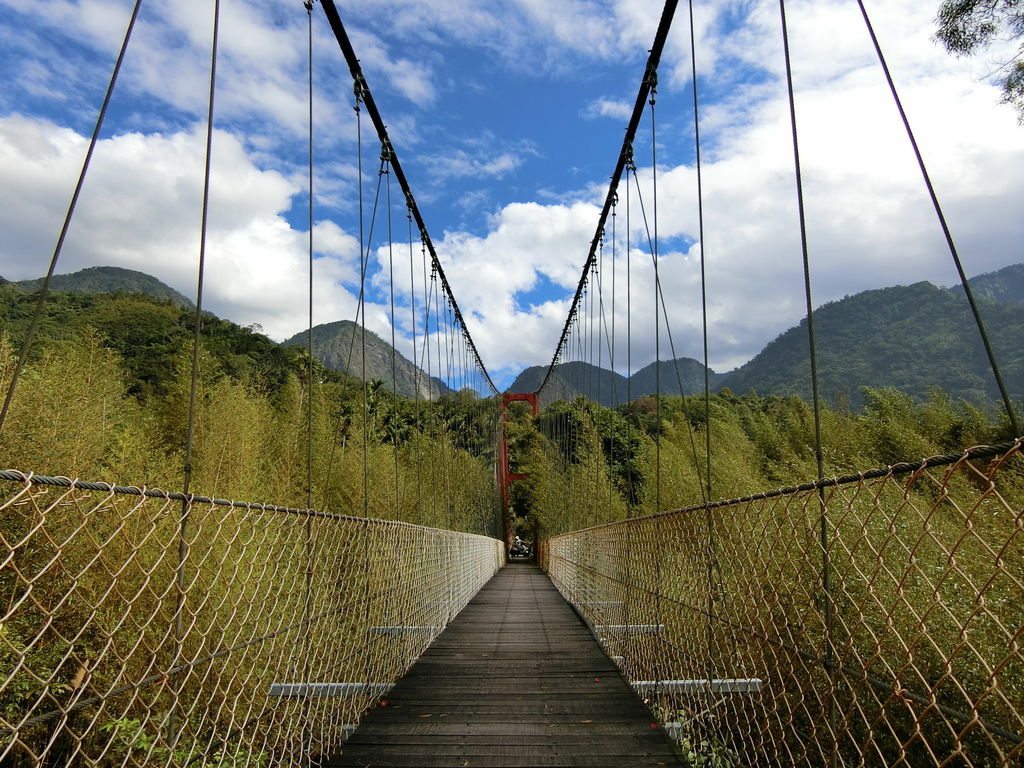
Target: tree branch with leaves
(966, 27)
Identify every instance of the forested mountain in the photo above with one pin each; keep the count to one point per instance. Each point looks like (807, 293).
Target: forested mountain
(571, 379)
(683, 370)
(107, 280)
(909, 337)
(608, 388)
(148, 333)
(339, 346)
(146, 322)
(1005, 285)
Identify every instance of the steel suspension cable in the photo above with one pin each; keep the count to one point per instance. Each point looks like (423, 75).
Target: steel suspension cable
(309, 331)
(394, 342)
(611, 351)
(654, 57)
(183, 548)
(44, 289)
(816, 400)
(629, 325)
(653, 76)
(437, 340)
(428, 298)
(953, 252)
(594, 393)
(608, 337)
(364, 255)
(308, 602)
(361, 306)
(672, 344)
(708, 515)
(703, 255)
(416, 372)
(334, 19)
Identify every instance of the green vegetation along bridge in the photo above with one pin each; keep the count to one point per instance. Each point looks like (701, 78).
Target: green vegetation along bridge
(684, 608)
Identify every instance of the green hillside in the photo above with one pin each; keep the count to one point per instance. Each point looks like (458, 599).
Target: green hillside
(335, 347)
(911, 338)
(146, 322)
(1005, 285)
(108, 280)
(568, 380)
(686, 370)
(148, 333)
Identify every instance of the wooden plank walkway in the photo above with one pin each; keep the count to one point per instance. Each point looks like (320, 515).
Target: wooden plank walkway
(516, 680)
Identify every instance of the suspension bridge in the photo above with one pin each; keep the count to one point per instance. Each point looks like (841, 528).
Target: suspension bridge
(370, 615)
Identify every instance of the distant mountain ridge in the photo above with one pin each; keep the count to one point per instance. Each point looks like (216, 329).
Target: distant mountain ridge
(911, 338)
(1005, 285)
(331, 341)
(336, 344)
(107, 280)
(609, 388)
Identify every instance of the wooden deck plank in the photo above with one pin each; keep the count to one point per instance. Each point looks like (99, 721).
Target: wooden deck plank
(515, 680)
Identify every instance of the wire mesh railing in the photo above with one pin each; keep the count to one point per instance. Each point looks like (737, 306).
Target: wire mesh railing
(141, 628)
(876, 619)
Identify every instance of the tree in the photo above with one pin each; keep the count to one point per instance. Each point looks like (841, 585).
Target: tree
(968, 26)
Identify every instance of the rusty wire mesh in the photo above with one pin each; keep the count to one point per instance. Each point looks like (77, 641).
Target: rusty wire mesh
(140, 630)
(877, 621)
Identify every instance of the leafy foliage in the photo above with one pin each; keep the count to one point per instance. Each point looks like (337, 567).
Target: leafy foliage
(425, 462)
(148, 334)
(907, 337)
(588, 464)
(968, 26)
(107, 280)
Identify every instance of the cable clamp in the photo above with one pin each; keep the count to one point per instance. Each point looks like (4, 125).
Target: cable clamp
(651, 80)
(359, 88)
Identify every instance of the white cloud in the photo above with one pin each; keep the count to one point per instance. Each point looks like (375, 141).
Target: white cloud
(869, 219)
(462, 164)
(526, 243)
(870, 222)
(140, 209)
(620, 110)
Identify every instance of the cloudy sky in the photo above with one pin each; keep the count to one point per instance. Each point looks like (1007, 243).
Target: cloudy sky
(507, 116)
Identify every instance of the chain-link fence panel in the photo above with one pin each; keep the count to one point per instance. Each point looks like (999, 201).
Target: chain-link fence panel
(874, 620)
(142, 629)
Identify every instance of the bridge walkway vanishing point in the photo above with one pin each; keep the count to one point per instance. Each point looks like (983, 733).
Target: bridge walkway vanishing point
(516, 679)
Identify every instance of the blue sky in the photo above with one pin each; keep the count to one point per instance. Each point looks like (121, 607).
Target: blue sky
(507, 117)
